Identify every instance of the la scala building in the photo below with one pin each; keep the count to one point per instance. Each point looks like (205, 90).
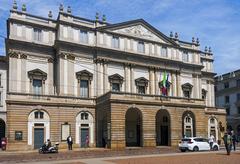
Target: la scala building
(115, 85)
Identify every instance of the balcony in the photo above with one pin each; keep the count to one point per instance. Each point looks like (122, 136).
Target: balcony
(146, 99)
(25, 98)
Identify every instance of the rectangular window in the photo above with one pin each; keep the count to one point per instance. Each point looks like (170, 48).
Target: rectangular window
(140, 47)
(116, 87)
(238, 83)
(37, 86)
(83, 36)
(186, 94)
(185, 56)
(141, 89)
(115, 42)
(228, 111)
(37, 34)
(164, 51)
(84, 88)
(238, 96)
(226, 85)
(226, 99)
(18, 135)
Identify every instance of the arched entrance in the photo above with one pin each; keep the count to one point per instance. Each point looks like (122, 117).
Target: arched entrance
(38, 128)
(163, 131)
(133, 127)
(188, 124)
(2, 130)
(212, 127)
(84, 129)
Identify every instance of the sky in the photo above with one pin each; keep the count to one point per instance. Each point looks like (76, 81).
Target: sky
(215, 22)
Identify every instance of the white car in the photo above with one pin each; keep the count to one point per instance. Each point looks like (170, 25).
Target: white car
(196, 144)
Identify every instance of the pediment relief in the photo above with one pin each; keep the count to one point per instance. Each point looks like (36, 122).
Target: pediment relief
(139, 31)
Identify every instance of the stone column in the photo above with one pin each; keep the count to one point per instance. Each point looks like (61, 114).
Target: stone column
(127, 78)
(179, 87)
(105, 77)
(157, 90)
(174, 85)
(213, 94)
(23, 75)
(151, 80)
(50, 77)
(132, 80)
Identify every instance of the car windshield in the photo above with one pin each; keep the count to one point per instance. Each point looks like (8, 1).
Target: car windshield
(186, 140)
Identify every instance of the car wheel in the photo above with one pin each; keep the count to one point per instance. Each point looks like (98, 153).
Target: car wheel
(183, 150)
(195, 148)
(215, 148)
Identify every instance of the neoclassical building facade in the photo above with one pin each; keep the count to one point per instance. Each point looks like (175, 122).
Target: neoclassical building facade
(120, 85)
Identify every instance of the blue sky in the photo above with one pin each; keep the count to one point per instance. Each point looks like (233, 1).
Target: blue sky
(215, 22)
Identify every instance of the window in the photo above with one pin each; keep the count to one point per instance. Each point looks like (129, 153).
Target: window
(228, 111)
(238, 96)
(226, 85)
(141, 85)
(185, 56)
(238, 83)
(116, 81)
(140, 47)
(84, 82)
(0, 98)
(141, 89)
(164, 51)
(84, 88)
(188, 126)
(38, 115)
(115, 42)
(116, 87)
(84, 116)
(83, 36)
(37, 36)
(226, 99)
(37, 86)
(18, 135)
(238, 110)
(204, 94)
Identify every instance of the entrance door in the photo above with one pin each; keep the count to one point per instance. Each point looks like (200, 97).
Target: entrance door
(38, 137)
(164, 135)
(2, 130)
(84, 132)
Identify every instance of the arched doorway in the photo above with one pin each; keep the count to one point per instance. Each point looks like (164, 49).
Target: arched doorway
(2, 130)
(212, 127)
(133, 127)
(38, 128)
(163, 130)
(188, 124)
(84, 129)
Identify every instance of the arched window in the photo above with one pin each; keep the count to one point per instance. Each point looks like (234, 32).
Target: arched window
(84, 116)
(38, 115)
(212, 127)
(188, 124)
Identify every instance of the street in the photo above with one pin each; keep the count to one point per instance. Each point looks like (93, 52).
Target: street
(164, 155)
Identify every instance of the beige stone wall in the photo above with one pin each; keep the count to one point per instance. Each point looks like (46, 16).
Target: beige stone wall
(18, 121)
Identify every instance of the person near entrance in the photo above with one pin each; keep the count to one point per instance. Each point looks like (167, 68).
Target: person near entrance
(211, 140)
(87, 142)
(69, 142)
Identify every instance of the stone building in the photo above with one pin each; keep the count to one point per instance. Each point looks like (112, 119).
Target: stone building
(3, 89)
(120, 85)
(227, 92)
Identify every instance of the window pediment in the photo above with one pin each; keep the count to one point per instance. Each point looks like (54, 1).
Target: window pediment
(141, 82)
(187, 87)
(115, 78)
(37, 74)
(84, 74)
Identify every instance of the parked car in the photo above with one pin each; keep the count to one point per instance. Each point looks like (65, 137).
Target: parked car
(196, 144)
